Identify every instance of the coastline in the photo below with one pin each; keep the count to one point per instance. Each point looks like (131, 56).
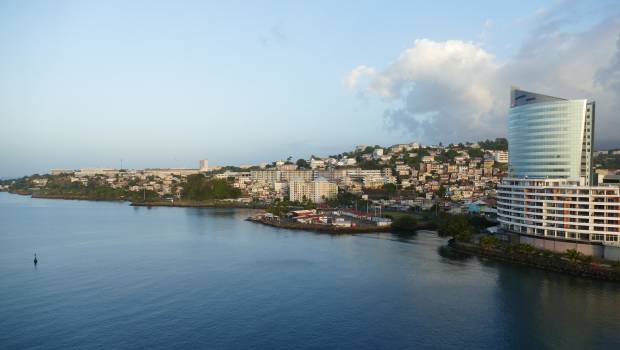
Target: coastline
(161, 203)
(197, 204)
(591, 271)
(322, 228)
(548, 263)
(335, 229)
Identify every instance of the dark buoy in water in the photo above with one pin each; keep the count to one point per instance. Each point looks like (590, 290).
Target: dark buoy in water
(35, 259)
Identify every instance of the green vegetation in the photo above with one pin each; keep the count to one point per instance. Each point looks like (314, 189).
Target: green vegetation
(200, 188)
(500, 144)
(489, 242)
(405, 223)
(279, 208)
(447, 157)
(607, 161)
(389, 188)
(441, 193)
(574, 256)
(302, 164)
(455, 226)
(475, 152)
(346, 199)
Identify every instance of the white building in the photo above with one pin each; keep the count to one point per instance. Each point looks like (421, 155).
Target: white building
(560, 208)
(317, 191)
(317, 163)
(500, 156)
(377, 153)
(204, 165)
(61, 171)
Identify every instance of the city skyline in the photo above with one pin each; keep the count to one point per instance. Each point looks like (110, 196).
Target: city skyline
(88, 84)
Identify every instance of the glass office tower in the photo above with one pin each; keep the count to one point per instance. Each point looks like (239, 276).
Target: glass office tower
(548, 197)
(550, 137)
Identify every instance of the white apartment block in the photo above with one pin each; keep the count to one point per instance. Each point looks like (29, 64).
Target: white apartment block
(500, 156)
(559, 208)
(317, 191)
(317, 163)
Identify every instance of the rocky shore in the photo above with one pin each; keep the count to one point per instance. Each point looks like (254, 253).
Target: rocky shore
(550, 262)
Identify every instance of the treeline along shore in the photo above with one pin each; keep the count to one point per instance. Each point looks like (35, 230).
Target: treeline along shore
(200, 204)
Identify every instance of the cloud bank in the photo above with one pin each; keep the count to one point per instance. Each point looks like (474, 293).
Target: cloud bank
(456, 90)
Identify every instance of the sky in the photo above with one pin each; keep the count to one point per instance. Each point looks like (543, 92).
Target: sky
(167, 83)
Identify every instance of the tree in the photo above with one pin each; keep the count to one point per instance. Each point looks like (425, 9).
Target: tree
(573, 255)
(405, 223)
(302, 163)
(488, 242)
(455, 226)
(390, 188)
(475, 152)
(441, 193)
(199, 187)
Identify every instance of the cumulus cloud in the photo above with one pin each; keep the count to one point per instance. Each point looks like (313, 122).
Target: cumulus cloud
(359, 72)
(456, 90)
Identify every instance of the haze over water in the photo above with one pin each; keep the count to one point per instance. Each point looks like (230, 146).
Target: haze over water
(115, 276)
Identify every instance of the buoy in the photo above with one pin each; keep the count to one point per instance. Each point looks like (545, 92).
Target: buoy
(35, 259)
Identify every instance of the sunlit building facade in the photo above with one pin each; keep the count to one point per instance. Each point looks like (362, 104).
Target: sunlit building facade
(549, 192)
(550, 137)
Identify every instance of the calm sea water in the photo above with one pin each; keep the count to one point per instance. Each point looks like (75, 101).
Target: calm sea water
(111, 276)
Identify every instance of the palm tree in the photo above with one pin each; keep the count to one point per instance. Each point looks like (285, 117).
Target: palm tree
(573, 255)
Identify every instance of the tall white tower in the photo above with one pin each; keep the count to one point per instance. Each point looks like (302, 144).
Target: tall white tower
(204, 165)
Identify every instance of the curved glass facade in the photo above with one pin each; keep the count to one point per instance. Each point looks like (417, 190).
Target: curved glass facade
(548, 137)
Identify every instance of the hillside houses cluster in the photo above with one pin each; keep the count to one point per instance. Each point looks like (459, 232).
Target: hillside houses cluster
(407, 171)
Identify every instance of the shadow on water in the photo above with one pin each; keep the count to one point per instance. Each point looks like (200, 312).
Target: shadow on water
(408, 238)
(449, 253)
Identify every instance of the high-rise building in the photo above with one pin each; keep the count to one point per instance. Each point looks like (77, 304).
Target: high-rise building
(548, 196)
(204, 165)
(550, 137)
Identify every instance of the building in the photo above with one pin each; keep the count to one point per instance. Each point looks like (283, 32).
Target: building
(317, 191)
(316, 163)
(204, 165)
(548, 197)
(377, 153)
(61, 171)
(550, 137)
(500, 156)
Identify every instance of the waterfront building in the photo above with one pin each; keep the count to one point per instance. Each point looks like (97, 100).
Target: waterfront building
(548, 194)
(204, 165)
(550, 137)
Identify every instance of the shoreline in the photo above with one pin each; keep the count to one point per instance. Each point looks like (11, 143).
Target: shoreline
(335, 229)
(194, 204)
(321, 228)
(162, 203)
(590, 271)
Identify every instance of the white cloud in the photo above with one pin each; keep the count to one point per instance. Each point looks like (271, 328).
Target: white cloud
(352, 80)
(456, 90)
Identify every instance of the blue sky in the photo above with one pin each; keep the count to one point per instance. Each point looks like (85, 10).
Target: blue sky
(86, 83)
